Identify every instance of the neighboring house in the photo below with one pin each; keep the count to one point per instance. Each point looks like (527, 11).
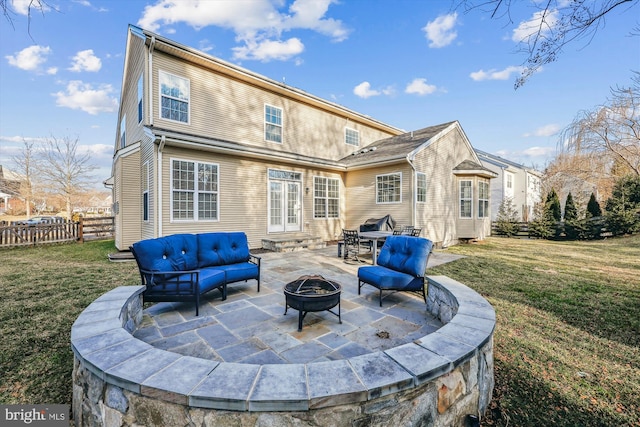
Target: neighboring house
(10, 183)
(205, 145)
(515, 181)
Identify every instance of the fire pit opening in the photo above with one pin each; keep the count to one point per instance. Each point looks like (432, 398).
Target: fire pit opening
(312, 293)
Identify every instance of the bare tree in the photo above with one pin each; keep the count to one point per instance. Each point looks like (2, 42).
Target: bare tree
(25, 162)
(33, 5)
(66, 171)
(555, 24)
(600, 145)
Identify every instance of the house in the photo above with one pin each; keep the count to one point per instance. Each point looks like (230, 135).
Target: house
(10, 184)
(515, 181)
(205, 145)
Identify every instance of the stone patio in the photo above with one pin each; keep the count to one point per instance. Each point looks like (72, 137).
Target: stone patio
(250, 327)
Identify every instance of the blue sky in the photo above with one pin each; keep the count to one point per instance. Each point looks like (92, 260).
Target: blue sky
(408, 63)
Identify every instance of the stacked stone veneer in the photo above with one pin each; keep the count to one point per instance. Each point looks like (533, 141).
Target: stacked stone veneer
(438, 380)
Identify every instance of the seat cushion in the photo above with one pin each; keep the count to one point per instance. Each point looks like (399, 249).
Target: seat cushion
(210, 279)
(185, 251)
(154, 254)
(216, 249)
(406, 254)
(239, 271)
(385, 278)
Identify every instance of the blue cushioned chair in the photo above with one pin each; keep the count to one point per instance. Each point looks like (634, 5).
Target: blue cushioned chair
(401, 266)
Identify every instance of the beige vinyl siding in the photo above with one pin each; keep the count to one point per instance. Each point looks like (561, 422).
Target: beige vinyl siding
(438, 216)
(129, 103)
(243, 190)
(128, 218)
(227, 109)
(147, 154)
(361, 196)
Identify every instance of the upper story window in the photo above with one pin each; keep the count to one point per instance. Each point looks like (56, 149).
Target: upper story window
(483, 199)
(351, 137)
(123, 131)
(388, 188)
(194, 190)
(272, 123)
(466, 198)
(174, 97)
(421, 188)
(140, 95)
(326, 197)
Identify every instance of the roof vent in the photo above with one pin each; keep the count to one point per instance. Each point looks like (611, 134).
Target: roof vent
(373, 148)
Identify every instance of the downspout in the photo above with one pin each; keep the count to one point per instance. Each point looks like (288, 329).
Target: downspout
(414, 195)
(152, 45)
(159, 181)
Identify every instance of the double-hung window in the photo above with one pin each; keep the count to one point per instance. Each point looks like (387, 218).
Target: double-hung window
(272, 123)
(326, 197)
(174, 97)
(388, 188)
(145, 191)
(483, 199)
(421, 187)
(466, 198)
(194, 189)
(351, 137)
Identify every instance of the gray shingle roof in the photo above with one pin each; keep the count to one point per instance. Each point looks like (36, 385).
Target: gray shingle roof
(395, 147)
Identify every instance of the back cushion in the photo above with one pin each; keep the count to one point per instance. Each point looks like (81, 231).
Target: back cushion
(222, 248)
(154, 254)
(185, 251)
(405, 254)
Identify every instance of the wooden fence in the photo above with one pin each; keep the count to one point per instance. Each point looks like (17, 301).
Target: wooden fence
(57, 232)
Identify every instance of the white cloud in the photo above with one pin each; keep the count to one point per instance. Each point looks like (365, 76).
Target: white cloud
(440, 32)
(30, 58)
(363, 90)
(541, 21)
(494, 74)
(85, 60)
(420, 87)
(258, 26)
(266, 50)
(547, 130)
(82, 96)
(22, 7)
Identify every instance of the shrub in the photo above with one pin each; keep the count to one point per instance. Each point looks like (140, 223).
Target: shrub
(593, 207)
(507, 218)
(622, 208)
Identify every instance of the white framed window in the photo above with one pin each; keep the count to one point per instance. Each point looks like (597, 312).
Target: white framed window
(174, 97)
(421, 187)
(508, 184)
(326, 197)
(483, 199)
(272, 123)
(466, 198)
(123, 131)
(389, 188)
(351, 137)
(194, 191)
(145, 191)
(140, 97)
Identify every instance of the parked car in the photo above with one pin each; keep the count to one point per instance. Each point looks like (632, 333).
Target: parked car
(40, 220)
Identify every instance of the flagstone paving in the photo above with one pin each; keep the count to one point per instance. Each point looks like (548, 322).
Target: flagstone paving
(250, 327)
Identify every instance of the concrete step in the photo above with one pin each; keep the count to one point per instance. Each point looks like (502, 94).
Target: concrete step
(293, 243)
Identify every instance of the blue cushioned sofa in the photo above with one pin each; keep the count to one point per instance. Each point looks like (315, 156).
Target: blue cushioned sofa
(401, 266)
(181, 267)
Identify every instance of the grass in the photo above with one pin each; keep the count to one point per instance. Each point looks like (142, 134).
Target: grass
(566, 346)
(567, 340)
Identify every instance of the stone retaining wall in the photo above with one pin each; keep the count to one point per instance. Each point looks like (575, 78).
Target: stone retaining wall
(438, 380)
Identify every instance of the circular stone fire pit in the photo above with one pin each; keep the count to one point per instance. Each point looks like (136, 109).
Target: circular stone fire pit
(312, 293)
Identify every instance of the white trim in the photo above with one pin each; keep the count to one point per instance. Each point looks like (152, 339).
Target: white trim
(376, 194)
(160, 73)
(418, 174)
(326, 199)
(146, 177)
(357, 132)
(265, 122)
(195, 218)
(460, 181)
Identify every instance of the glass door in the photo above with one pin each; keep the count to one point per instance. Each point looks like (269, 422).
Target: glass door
(284, 206)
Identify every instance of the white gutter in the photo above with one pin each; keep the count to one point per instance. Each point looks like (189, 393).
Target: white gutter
(150, 75)
(414, 192)
(159, 186)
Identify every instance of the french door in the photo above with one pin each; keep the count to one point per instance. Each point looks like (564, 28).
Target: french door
(284, 205)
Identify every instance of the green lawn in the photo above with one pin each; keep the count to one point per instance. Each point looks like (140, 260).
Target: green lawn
(566, 346)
